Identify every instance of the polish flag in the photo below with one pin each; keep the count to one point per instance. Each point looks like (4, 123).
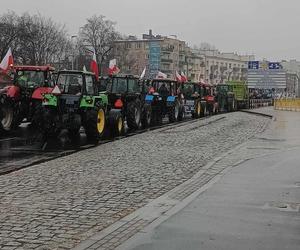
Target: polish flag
(178, 77)
(161, 75)
(143, 73)
(113, 68)
(7, 61)
(94, 66)
(183, 77)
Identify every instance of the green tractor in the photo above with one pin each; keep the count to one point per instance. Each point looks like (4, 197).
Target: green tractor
(240, 91)
(226, 98)
(74, 103)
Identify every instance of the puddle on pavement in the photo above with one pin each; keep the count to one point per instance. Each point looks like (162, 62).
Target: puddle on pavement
(283, 206)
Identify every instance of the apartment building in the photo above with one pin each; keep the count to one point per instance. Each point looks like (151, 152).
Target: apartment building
(156, 53)
(169, 54)
(220, 67)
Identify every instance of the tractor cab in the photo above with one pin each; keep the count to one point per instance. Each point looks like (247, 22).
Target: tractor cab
(165, 98)
(23, 99)
(194, 103)
(33, 81)
(125, 93)
(209, 95)
(225, 98)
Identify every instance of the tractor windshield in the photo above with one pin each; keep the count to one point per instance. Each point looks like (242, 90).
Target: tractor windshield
(223, 88)
(118, 85)
(30, 79)
(188, 89)
(70, 83)
(164, 88)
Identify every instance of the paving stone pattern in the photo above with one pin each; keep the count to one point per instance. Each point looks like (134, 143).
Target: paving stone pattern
(58, 204)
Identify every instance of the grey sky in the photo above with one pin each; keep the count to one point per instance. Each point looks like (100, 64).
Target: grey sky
(267, 28)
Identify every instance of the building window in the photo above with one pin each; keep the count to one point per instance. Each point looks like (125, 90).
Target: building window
(138, 45)
(128, 45)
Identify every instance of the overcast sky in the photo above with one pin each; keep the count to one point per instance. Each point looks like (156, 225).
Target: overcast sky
(267, 28)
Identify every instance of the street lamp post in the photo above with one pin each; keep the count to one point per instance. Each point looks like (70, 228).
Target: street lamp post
(73, 51)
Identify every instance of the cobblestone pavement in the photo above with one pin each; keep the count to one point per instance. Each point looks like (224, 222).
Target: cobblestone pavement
(56, 205)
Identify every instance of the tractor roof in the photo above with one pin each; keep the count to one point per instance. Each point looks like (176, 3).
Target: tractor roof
(34, 68)
(125, 76)
(163, 80)
(75, 72)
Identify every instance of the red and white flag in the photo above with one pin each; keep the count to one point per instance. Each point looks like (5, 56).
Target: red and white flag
(7, 61)
(183, 77)
(178, 77)
(113, 68)
(94, 66)
(143, 73)
(161, 75)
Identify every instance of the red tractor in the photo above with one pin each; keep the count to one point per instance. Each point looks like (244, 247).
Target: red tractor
(23, 99)
(210, 98)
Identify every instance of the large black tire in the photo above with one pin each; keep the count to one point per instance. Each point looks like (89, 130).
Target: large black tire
(116, 123)
(95, 125)
(37, 117)
(156, 117)
(134, 114)
(181, 114)
(7, 118)
(197, 110)
(173, 112)
(146, 116)
(50, 122)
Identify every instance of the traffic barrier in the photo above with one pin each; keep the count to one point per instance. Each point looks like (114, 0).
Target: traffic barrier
(287, 104)
(259, 103)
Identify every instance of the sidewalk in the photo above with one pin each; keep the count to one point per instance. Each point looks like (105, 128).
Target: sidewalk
(256, 205)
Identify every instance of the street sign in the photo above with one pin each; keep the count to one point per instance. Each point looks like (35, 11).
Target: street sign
(266, 79)
(253, 65)
(274, 65)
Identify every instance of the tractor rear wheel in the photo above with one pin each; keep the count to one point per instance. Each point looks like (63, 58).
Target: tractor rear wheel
(146, 117)
(95, 125)
(181, 114)
(173, 112)
(134, 114)
(198, 110)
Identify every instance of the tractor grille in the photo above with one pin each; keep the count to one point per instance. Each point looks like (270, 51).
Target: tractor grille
(69, 104)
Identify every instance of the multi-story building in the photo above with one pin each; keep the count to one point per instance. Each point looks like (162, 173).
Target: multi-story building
(169, 54)
(156, 53)
(292, 68)
(220, 67)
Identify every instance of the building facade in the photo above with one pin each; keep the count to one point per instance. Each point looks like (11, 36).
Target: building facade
(169, 54)
(292, 68)
(221, 67)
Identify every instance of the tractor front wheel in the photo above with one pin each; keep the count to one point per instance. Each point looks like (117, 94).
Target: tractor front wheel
(7, 118)
(116, 123)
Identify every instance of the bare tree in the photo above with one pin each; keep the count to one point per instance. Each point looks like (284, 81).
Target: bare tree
(98, 34)
(34, 39)
(9, 31)
(41, 40)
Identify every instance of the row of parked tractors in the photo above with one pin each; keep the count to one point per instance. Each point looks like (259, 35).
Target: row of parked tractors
(68, 100)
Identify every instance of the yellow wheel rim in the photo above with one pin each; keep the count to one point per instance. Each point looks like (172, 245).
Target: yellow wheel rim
(120, 124)
(199, 108)
(101, 121)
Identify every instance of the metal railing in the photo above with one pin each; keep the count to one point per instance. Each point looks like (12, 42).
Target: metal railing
(289, 104)
(259, 103)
